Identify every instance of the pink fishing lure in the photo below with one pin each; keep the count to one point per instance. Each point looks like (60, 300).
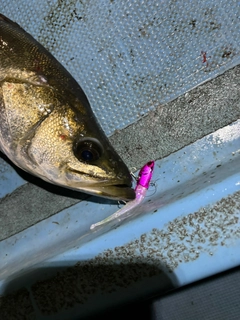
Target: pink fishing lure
(143, 181)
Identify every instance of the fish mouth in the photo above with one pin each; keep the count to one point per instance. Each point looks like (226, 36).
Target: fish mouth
(114, 192)
(115, 189)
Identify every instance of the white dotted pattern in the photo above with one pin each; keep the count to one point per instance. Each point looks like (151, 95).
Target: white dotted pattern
(131, 56)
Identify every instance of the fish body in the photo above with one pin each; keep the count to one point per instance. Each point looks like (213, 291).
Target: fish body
(47, 126)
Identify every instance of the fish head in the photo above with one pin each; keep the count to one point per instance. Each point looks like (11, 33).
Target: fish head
(47, 126)
(69, 148)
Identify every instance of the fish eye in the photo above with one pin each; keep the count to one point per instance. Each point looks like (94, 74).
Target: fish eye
(88, 150)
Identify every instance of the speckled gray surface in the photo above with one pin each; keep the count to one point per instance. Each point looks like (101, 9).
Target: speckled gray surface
(171, 127)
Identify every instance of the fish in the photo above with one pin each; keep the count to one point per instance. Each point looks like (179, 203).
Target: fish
(47, 126)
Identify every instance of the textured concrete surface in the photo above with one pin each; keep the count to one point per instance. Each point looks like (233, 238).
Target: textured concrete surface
(167, 129)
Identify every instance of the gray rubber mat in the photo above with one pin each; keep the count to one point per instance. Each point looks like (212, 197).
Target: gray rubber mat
(131, 56)
(213, 298)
